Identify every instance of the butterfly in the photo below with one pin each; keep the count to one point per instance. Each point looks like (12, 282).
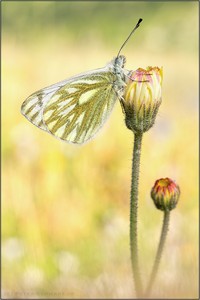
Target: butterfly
(75, 109)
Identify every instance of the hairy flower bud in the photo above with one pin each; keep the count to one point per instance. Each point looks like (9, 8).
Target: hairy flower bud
(165, 194)
(142, 98)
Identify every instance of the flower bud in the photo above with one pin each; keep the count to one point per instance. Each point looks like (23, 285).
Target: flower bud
(165, 194)
(142, 98)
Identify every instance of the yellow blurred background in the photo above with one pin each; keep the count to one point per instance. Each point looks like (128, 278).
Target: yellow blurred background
(65, 208)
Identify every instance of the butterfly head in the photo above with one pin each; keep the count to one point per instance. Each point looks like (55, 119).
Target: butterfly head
(120, 61)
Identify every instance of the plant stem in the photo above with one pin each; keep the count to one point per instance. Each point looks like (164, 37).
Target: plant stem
(159, 251)
(133, 212)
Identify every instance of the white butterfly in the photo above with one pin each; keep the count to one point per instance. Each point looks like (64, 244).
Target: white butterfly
(75, 109)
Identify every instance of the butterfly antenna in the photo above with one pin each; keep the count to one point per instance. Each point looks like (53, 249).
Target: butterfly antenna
(136, 26)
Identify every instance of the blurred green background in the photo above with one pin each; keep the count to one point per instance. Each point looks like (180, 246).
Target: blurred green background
(65, 208)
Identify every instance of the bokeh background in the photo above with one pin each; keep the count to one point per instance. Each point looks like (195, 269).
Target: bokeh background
(65, 208)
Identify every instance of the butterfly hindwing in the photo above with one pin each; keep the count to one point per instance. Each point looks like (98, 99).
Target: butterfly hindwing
(75, 109)
(79, 108)
(32, 107)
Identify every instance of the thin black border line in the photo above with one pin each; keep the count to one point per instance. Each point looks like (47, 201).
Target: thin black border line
(138, 1)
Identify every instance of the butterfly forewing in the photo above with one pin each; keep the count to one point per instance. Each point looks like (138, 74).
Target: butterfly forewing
(74, 109)
(79, 108)
(32, 107)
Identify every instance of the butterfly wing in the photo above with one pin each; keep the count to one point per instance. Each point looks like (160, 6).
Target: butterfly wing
(32, 107)
(73, 110)
(79, 109)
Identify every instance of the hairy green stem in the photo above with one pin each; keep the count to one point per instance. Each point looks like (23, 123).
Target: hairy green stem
(134, 213)
(159, 251)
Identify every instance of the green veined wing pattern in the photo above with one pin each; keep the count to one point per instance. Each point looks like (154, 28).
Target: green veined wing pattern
(80, 107)
(32, 107)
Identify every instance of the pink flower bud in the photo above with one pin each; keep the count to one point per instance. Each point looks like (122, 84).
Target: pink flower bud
(142, 98)
(165, 194)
